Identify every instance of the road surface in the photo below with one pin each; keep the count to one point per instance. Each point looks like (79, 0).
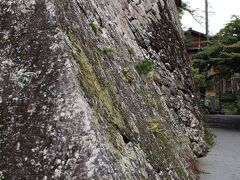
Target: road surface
(223, 160)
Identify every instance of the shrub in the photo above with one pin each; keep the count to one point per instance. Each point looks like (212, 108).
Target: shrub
(231, 103)
(229, 97)
(145, 66)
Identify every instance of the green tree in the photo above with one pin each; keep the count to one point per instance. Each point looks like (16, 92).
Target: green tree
(230, 34)
(223, 53)
(182, 6)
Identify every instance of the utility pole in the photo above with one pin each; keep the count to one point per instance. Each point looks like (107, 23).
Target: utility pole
(206, 18)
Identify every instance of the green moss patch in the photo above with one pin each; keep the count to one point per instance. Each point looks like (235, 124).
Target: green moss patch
(110, 49)
(106, 109)
(156, 129)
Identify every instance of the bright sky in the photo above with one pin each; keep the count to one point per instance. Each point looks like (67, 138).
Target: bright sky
(220, 12)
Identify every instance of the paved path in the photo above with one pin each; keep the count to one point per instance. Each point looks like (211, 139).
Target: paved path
(223, 161)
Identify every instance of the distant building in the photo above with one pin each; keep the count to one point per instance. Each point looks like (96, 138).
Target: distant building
(195, 41)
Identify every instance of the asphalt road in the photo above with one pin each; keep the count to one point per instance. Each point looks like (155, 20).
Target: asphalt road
(223, 160)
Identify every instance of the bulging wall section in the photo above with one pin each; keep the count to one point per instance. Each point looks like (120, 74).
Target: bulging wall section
(73, 105)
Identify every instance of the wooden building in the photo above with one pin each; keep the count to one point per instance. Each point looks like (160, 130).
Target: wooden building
(195, 42)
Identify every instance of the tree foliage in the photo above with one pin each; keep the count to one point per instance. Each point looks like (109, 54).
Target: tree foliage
(223, 53)
(230, 34)
(182, 6)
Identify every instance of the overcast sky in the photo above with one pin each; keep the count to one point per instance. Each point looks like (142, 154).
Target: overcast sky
(220, 12)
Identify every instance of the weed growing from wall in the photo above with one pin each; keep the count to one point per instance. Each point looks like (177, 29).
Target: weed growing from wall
(145, 66)
(208, 137)
(131, 51)
(94, 27)
(109, 50)
(128, 75)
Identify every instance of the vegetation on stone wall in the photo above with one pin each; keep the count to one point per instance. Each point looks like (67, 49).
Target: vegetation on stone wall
(145, 66)
(209, 137)
(128, 74)
(131, 51)
(94, 27)
(110, 49)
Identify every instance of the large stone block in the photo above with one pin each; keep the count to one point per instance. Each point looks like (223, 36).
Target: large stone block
(73, 105)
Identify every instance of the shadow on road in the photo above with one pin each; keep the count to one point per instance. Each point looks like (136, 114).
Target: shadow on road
(223, 121)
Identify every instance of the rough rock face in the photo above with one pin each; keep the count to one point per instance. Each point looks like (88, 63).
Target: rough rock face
(73, 106)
